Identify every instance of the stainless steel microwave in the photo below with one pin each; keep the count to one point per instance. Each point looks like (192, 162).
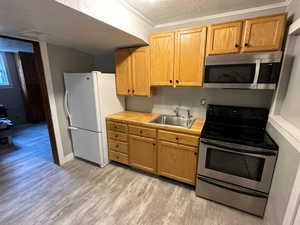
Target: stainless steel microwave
(243, 71)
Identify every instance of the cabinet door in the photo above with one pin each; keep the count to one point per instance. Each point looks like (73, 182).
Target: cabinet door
(142, 153)
(264, 33)
(162, 59)
(177, 162)
(224, 38)
(189, 56)
(141, 71)
(123, 71)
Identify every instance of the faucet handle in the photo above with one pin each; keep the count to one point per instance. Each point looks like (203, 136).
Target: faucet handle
(176, 111)
(189, 115)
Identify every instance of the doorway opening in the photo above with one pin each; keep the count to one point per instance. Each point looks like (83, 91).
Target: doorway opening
(26, 128)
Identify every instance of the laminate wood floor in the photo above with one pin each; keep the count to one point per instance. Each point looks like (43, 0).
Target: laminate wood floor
(29, 140)
(35, 191)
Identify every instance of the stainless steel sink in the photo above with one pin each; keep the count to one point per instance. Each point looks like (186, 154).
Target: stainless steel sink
(173, 120)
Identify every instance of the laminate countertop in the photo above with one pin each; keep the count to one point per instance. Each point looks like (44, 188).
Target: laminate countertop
(143, 119)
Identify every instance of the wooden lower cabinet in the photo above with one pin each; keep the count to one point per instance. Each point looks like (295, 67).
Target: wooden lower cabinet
(118, 157)
(167, 153)
(177, 161)
(142, 153)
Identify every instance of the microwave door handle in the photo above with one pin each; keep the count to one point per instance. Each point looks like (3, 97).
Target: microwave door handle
(266, 153)
(257, 70)
(232, 188)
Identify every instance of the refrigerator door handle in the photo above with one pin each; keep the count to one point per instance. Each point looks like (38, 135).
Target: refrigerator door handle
(66, 106)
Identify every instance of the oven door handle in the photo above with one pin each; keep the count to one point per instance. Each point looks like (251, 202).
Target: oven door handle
(230, 187)
(268, 153)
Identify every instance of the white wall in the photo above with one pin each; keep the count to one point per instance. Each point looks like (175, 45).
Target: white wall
(167, 98)
(115, 13)
(284, 178)
(61, 60)
(289, 110)
(12, 97)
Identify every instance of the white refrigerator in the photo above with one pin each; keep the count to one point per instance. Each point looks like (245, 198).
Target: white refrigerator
(89, 98)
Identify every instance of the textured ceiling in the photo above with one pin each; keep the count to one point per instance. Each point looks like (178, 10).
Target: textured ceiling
(165, 11)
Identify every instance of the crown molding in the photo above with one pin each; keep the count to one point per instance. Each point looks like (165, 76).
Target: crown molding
(136, 12)
(230, 13)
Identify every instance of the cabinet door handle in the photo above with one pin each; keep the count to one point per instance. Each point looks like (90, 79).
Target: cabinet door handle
(128, 90)
(195, 153)
(177, 81)
(133, 91)
(171, 81)
(246, 45)
(237, 46)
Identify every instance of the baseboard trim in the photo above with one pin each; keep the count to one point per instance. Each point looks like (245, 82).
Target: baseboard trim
(68, 158)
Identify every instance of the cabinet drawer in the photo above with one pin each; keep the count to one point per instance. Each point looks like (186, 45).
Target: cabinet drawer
(179, 138)
(117, 136)
(142, 131)
(118, 146)
(117, 126)
(119, 157)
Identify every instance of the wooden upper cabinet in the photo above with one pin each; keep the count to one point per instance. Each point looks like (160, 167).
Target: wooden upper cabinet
(224, 38)
(189, 56)
(142, 153)
(141, 71)
(264, 33)
(176, 161)
(162, 59)
(133, 71)
(123, 71)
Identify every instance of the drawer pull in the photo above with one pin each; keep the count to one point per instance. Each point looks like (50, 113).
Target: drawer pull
(116, 135)
(141, 131)
(177, 138)
(115, 127)
(117, 146)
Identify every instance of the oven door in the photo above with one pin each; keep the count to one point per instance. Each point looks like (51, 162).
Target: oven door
(237, 165)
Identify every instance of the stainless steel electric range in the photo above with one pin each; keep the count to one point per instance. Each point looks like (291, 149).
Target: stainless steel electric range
(237, 158)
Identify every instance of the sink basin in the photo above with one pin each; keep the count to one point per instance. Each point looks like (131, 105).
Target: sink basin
(173, 120)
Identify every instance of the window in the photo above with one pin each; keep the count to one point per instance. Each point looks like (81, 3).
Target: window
(4, 79)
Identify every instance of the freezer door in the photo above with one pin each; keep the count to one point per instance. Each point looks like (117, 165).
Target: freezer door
(81, 101)
(87, 145)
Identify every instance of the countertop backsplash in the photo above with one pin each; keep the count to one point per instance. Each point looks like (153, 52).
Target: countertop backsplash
(167, 98)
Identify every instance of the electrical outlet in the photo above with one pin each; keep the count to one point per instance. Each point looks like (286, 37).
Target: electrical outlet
(203, 101)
